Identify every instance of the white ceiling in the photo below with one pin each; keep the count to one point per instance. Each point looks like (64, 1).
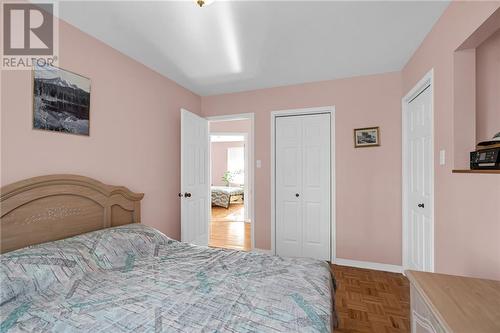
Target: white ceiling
(245, 45)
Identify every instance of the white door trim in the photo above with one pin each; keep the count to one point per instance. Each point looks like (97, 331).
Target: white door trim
(251, 166)
(296, 112)
(228, 117)
(427, 80)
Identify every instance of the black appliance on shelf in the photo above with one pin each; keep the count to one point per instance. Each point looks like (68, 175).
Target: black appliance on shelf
(485, 159)
(487, 155)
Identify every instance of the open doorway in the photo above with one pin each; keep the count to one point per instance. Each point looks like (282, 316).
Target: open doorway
(231, 183)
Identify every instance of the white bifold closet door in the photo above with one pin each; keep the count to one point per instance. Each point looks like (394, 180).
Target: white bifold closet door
(303, 186)
(419, 132)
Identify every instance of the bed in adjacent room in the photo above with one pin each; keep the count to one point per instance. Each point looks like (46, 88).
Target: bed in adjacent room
(222, 195)
(98, 269)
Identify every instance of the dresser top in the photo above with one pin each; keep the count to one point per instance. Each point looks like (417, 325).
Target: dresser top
(462, 304)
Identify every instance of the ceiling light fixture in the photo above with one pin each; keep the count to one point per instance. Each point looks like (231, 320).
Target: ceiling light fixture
(205, 3)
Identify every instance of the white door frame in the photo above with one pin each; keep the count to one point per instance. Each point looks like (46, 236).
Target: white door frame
(427, 80)
(251, 164)
(247, 165)
(297, 112)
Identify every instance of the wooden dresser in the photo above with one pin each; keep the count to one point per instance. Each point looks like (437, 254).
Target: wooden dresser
(445, 303)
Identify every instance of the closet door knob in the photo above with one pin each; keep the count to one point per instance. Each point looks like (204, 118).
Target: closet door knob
(297, 195)
(421, 205)
(180, 195)
(187, 195)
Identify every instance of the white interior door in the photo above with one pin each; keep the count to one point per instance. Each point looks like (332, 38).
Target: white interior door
(302, 191)
(419, 195)
(194, 179)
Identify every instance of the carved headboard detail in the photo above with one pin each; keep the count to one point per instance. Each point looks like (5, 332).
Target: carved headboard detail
(48, 208)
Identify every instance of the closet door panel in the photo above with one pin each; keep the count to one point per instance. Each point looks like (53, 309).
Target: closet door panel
(288, 183)
(316, 186)
(312, 229)
(292, 224)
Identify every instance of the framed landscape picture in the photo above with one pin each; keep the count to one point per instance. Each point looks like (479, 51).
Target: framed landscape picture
(366, 137)
(61, 101)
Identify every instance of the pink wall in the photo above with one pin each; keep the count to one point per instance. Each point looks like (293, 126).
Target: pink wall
(231, 126)
(467, 220)
(219, 160)
(134, 130)
(368, 180)
(488, 88)
(464, 106)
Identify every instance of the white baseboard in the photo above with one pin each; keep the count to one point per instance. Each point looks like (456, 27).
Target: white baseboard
(369, 265)
(262, 251)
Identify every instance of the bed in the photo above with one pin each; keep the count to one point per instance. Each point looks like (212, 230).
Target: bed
(222, 195)
(76, 258)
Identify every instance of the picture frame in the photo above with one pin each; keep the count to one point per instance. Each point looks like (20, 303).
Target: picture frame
(61, 101)
(366, 137)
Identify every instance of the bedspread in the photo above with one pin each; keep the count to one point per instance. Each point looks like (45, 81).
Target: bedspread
(135, 279)
(221, 195)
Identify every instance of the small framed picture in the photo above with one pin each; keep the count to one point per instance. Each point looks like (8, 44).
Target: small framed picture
(366, 137)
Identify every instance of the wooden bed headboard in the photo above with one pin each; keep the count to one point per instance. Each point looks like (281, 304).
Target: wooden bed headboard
(48, 208)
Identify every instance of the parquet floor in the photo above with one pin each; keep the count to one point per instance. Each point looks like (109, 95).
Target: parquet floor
(228, 230)
(371, 301)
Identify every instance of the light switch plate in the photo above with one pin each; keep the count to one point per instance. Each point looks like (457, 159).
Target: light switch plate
(442, 157)
(258, 163)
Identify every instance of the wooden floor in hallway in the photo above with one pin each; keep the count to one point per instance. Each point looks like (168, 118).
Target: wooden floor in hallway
(234, 213)
(228, 229)
(371, 301)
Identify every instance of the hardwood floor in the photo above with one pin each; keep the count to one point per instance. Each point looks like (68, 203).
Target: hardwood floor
(371, 301)
(228, 230)
(235, 212)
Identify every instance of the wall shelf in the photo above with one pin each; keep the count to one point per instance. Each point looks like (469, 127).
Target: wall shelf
(475, 88)
(476, 171)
